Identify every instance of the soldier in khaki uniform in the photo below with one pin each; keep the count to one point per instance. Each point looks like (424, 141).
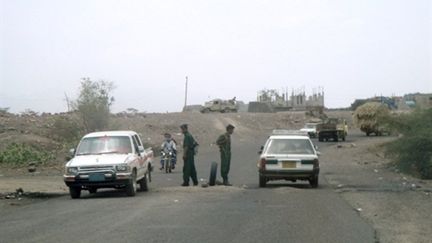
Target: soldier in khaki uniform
(224, 143)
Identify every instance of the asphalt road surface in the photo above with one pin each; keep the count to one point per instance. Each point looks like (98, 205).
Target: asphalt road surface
(282, 212)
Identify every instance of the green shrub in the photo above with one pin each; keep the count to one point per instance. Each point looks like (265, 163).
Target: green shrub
(21, 154)
(413, 150)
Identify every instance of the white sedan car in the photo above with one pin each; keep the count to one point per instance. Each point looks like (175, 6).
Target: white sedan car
(288, 155)
(310, 129)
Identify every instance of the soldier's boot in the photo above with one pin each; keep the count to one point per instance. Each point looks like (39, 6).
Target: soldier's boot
(226, 182)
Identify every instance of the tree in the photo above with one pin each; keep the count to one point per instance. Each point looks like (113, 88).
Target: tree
(93, 104)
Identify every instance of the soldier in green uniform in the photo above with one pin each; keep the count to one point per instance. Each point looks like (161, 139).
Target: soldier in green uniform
(224, 143)
(189, 144)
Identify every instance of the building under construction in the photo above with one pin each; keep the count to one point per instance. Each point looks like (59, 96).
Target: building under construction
(270, 100)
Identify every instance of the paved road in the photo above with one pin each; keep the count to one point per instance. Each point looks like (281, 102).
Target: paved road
(283, 212)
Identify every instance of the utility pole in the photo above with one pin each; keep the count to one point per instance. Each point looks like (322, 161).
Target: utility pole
(67, 102)
(186, 91)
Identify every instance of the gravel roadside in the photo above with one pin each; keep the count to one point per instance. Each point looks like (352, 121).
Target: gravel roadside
(397, 205)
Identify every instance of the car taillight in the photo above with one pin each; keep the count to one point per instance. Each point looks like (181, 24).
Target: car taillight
(262, 164)
(316, 163)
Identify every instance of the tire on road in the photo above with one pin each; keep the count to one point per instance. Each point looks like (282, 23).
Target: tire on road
(75, 192)
(143, 184)
(314, 181)
(167, 164)
(262, 181)
(213, 173)
(149, 169)
(131, 187)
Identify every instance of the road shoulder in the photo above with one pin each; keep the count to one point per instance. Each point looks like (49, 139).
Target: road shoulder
(397, 205)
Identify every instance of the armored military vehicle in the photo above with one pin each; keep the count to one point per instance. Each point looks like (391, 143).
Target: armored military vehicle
(218, 105)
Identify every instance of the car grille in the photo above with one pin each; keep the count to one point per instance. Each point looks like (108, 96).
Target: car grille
(96, 168)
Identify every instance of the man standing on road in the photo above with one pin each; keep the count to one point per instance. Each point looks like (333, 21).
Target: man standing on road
(224, 143)
(189, 144)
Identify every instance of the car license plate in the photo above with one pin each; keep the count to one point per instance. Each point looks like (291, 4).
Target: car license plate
(289, 164)
(96, 177)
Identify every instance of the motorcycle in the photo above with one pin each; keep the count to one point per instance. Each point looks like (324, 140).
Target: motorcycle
(167, 158)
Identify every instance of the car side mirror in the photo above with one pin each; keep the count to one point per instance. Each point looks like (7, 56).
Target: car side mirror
(140, 149)
(318, 153)
(72, 152)
(70, 155)
(261, 150)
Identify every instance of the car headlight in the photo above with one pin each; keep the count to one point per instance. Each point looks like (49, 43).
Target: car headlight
(122, 167)
(72, 170)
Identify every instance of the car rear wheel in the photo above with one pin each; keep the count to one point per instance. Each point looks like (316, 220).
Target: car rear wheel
(144, 184)
(314, 181)
(75, 192)
(262, 181)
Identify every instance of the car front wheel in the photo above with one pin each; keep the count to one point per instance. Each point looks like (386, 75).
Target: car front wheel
(131, 187)
(75, 192)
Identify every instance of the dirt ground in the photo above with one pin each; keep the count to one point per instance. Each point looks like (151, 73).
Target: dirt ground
(397, 205)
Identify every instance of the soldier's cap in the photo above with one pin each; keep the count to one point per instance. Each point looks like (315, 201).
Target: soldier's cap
(230, 126)
(167, 135)
(184, 126)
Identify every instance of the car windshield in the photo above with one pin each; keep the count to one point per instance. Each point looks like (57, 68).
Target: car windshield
(310, 126)
(105, 145)
(289, 146)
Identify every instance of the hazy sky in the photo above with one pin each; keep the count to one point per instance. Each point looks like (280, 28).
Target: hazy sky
(354, 49)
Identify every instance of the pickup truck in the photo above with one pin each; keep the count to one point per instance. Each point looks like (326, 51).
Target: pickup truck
(110, 159)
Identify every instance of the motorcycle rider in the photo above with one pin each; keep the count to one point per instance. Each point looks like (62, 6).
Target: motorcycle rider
(169, 145)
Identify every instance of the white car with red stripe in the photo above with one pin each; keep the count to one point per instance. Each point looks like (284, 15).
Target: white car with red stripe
(288, 155)
(110, 159)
